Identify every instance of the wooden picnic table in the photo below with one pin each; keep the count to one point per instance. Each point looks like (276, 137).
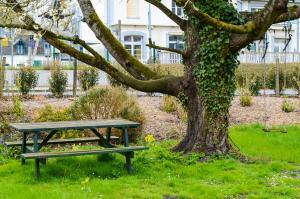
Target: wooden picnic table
(54, 127)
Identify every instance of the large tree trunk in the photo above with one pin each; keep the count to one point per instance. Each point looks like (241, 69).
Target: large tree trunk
(202, 135)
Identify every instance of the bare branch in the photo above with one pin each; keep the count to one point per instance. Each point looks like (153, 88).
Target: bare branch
(151, 45)
(179, 21)
(77, 40)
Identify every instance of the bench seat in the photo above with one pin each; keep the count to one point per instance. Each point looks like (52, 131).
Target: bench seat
(41, 155)
(61, 141)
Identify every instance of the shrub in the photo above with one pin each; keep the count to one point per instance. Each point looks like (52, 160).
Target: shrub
(271, 79)
(245, 96)
(252, 81)
(106, 103)
(256, 83)
(17, 108)
(58, 82)
(172, 105)
(26, 79)
(287, 106)
(51, 114)
(168, 69)
(256, 72)
(245, 100)
(4, 126)
(296, 79)
(88, 78)
(169, 104)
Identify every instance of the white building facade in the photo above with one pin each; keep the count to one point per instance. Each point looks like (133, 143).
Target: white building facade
(135, 21)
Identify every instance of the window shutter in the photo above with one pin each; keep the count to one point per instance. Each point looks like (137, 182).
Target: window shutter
(133, 9)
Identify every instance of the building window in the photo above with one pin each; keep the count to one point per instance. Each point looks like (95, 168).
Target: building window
(253, 47)
(47, 50)
(256, 9)
(257, 47)
(132, 8)
(239, 5)
(176, 9)
(133, 43)
(279, 44)
(20, 48)
(176, 42)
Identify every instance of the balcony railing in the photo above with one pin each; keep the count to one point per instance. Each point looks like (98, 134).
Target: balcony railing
(164, 57)
(256, 58)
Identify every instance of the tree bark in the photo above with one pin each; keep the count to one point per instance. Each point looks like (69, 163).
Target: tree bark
(202, 135)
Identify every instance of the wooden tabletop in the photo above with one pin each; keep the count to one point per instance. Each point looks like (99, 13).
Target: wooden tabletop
(65, 125)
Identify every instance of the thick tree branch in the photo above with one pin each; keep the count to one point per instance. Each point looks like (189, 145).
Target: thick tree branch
(168, 85)
(179, 21)
(115, 47)
(263, 21)
(292, 14)
(151, 45)
(75, 39)
(192, 10)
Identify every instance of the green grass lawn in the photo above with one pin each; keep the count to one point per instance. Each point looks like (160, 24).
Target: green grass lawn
(274, 172)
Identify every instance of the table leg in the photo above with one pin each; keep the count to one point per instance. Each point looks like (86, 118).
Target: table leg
(127, 155)
(128, 162)
(36, 149)
(44, 143)
(24, 146)
(125, 136)
(102, 141)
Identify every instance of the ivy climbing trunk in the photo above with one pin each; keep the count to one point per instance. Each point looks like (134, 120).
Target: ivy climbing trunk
(210, 72)
(203, 135)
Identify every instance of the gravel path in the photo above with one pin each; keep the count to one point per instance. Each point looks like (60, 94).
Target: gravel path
(261, 107)
(164, 125)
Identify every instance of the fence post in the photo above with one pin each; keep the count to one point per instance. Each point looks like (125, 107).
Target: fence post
(277, 71)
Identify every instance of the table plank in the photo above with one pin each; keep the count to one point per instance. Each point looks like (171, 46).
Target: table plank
(76, 125)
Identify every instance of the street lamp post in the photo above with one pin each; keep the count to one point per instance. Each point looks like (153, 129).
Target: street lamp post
(2, 67)
(150, 31)
(75, 63)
